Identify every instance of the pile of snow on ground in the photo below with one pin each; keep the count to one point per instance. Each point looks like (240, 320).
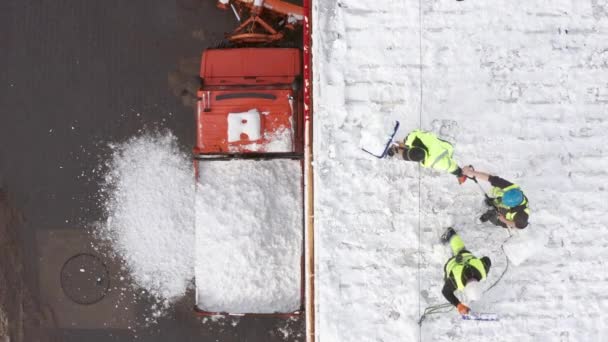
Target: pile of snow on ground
(149, 191)
(249, 236)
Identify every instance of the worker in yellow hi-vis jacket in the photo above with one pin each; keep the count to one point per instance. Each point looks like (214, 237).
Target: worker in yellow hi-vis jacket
(509, 206)
(430, 151)
(462, 272)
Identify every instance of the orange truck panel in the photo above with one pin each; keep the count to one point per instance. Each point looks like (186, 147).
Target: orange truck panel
(250, 66)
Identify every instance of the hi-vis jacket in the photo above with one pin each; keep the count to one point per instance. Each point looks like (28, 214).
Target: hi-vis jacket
(458, 269)
(438, 152)
(455, 268)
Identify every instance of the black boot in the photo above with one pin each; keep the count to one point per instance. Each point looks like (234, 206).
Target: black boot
(447, 235)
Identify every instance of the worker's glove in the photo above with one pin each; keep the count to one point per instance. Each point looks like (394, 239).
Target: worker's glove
(467, 171)
(463, 309)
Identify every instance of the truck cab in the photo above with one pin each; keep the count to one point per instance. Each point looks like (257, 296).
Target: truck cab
(250, 102)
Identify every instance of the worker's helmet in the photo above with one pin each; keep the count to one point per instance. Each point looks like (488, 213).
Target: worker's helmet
(414, 154)
(473, 290)
(512, 198)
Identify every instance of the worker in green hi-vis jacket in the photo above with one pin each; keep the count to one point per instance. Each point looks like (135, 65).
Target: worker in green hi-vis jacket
(430, 151)
(462, 272)
(509, 206)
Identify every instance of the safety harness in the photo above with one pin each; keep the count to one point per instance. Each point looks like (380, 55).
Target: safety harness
(457, 265)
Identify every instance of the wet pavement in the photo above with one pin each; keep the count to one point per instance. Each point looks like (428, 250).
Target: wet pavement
(77, 75)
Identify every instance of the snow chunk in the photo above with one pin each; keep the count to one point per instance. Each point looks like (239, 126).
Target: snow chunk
(279, 141)
(249, 225)
(150, 218)
(247, 123)
(524, 245)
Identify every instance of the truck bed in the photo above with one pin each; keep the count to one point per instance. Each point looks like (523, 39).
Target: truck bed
(249, 226)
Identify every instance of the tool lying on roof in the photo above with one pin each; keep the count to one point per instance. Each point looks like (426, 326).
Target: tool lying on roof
(478, 316)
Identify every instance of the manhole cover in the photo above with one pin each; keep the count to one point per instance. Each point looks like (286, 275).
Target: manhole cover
(85, 279)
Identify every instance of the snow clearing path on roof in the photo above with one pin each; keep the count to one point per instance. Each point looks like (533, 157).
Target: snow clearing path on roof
(249, 222)
(520, 89)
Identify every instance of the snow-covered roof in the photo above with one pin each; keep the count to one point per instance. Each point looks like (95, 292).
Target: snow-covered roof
(520, 88)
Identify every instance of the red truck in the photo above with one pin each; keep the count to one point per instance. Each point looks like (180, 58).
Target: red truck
(249, 163)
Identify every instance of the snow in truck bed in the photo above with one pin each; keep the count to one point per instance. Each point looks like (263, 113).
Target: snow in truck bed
(520, 88)
(248, 239)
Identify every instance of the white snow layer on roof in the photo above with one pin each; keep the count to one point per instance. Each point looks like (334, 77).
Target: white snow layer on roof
(520, 88)
(249, 236)
(150, 213)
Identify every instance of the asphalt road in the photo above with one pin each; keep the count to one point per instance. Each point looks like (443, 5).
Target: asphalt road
(76, 75)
